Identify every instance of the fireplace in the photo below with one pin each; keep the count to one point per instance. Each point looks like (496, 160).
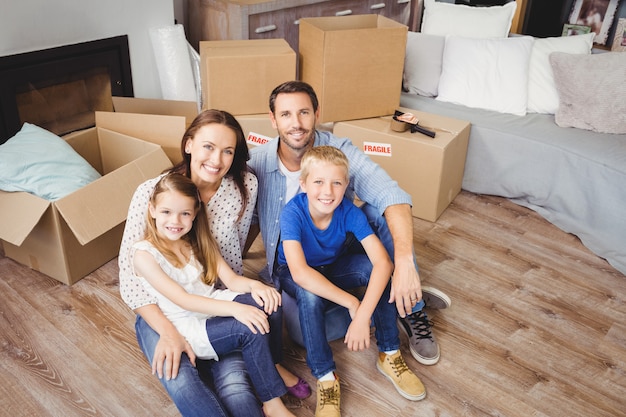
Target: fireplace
(60, 88)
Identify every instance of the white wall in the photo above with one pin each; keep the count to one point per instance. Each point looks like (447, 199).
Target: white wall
(29, 25)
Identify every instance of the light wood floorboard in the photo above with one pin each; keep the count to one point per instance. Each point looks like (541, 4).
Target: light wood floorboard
(537, 327)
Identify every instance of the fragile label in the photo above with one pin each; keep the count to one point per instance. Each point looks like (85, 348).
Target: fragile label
(373, 148)
(257, 139)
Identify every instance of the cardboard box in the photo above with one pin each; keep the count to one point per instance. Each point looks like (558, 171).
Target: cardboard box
(165, 131)
(430, 169)
(257, 128)
(239, 75)
(354, 63)
(187, 109)
(71, 237)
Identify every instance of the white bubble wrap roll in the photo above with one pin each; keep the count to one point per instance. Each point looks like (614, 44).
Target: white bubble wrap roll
(173, 63)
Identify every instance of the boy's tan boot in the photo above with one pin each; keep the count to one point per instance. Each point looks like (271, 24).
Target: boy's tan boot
(403, 379)
(328, 396)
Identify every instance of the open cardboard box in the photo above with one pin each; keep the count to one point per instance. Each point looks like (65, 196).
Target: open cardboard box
(186, 109)
(165, 127)
(71, 237)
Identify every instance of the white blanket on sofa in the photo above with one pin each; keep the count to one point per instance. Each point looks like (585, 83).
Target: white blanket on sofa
(574, 178)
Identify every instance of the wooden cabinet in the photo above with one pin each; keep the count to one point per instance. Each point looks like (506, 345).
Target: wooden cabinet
(261, 19)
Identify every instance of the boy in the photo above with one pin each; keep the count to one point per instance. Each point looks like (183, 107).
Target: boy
(328, 247)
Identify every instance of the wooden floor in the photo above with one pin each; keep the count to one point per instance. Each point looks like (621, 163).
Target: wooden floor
(537, 328)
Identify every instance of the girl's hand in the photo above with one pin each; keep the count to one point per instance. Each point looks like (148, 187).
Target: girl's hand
(251, 317)
(265, 296)
(358, 335)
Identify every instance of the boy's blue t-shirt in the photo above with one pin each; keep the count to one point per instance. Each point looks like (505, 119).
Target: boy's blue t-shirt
(321, 247)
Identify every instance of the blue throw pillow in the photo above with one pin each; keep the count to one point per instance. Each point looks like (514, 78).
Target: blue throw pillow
(41, 163)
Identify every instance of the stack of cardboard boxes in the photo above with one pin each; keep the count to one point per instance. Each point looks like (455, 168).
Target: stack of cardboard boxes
(355, 65)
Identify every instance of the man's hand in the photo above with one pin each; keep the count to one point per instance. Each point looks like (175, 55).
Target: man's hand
(406, 289)
(168, 352)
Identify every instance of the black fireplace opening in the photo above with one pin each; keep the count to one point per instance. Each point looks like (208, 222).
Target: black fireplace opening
(59, 89)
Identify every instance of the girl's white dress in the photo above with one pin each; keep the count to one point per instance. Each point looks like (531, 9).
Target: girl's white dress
(190, 324)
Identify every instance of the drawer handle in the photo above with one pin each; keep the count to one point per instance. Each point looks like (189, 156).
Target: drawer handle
(343, 12)
(265, 29)
(377, 6)
(403, 1)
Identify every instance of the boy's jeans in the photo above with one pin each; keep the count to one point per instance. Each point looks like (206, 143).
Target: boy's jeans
(351, 270)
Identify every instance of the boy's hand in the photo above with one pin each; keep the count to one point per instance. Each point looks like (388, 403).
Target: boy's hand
(265, 296)
(358, 335)
(251, 317)
(353, 306)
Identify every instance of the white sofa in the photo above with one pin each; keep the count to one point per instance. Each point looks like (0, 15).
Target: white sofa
(554, 155)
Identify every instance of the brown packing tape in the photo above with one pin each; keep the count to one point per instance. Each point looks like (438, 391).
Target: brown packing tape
(398, 126)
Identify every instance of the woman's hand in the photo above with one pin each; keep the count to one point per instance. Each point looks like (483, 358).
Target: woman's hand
(167, 353)
(265, 296)
(252, 317)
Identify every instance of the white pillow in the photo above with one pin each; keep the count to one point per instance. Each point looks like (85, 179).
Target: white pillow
(41, 163)
(422, 63)
(542, 94)
(476, 22)
(489, 74)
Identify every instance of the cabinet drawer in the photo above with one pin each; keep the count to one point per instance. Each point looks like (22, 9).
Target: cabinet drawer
(398, 10)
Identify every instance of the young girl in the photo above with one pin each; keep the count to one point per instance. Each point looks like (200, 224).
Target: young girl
(179, 263)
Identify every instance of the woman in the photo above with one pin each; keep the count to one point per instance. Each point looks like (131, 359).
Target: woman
(214, 155)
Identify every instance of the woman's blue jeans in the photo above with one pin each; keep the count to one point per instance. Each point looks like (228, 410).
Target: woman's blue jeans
(213, 389)
(351, 270)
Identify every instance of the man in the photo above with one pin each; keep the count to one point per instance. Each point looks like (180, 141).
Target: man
(294, 111)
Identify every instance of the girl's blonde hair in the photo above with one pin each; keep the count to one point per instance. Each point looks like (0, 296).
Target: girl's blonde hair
(324, 153)
(200, 239)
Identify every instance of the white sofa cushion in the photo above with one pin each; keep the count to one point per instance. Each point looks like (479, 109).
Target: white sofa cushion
(422, 63)
(489, 74)
(479, 22)
(542, 94)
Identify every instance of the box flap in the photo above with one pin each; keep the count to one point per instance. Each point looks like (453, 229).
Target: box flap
(187, 109)
(166, 131)
(103, 204)
(19, 214)
(99, 207)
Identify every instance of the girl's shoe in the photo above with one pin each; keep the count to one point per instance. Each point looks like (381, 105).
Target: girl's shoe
(301, 390)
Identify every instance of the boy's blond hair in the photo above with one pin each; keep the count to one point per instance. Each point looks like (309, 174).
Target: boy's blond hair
(325, 153)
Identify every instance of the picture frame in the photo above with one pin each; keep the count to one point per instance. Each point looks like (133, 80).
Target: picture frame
(619, 41)
(571, 30)
(597, 14)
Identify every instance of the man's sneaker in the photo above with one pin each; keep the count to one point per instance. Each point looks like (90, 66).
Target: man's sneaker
(403, 379)
(328, 396)
(422, 343)
(434, 298)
